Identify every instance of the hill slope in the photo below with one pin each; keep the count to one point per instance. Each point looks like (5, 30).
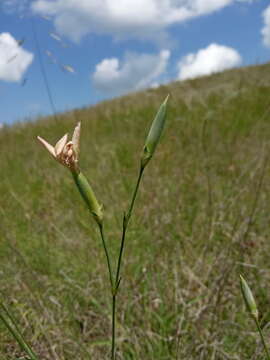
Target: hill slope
(201, 218)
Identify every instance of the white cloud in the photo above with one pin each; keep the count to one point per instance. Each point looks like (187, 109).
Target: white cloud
(213, 58)
(123, 18)
(266, 28)
(14, 60)
(137, 71)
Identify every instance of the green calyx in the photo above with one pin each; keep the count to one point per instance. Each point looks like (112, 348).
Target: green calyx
(88, 195)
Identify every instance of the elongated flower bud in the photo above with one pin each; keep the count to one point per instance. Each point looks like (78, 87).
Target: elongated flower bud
(88, 195)
(249, 299)
(154, 133)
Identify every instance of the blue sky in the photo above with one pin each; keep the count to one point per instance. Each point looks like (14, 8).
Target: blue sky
(98, 49)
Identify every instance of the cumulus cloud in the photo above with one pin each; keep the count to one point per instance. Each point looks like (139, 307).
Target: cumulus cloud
(14, 60)
(266, 28)
(213, 58)
(123, 18)
(137, 71)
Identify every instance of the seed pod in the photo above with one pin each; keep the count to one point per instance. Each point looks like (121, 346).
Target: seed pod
(88, 195)
(249, 299)
(154, 133)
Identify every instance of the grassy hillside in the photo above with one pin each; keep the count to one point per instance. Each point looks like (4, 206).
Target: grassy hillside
(202, 217)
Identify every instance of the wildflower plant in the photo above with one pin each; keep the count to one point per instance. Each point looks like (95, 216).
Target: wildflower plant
(253, 310)
(67, 153)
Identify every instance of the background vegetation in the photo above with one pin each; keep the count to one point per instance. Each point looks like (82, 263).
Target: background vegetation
(202, 217)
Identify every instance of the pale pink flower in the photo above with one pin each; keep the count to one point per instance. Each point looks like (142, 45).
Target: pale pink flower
(66, 152)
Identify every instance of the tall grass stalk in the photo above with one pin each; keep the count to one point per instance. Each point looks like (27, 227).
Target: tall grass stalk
(14, 330)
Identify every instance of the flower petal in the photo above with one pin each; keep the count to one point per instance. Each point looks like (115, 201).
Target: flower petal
(76, 139)
(48, 146)
(60, 145)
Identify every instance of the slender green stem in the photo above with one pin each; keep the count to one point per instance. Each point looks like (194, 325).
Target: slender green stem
(262, 338)
(112, 289)
(113, 326)
(107, 255)
(126, 219)
(135, 191)
(119, 262)
(14, 330)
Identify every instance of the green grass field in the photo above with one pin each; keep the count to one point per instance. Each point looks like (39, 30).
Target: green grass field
(202, 217)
